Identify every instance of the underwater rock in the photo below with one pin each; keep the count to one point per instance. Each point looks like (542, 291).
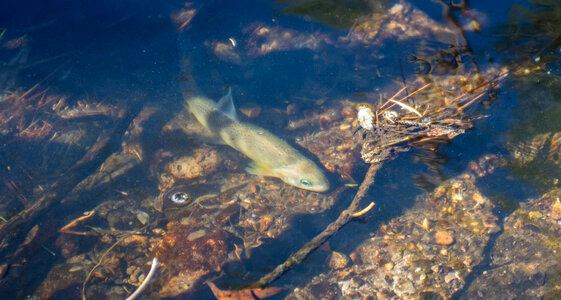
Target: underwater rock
(203, 162)
(187, 258)
(246, 294)
(526, 258)
(61, 277)
(555, 212)
(226, 52)
(403, 259)
(338, 260)
(536, 161)
(443, 237)
(400, 22)
(440, 242)
(263, 39)
(251, 110)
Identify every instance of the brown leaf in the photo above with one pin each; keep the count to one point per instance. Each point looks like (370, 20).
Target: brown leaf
(249, 294)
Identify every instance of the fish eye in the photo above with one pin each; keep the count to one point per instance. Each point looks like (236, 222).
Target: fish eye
(305, 182)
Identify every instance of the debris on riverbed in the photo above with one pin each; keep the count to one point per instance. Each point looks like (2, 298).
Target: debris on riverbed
(440, 247)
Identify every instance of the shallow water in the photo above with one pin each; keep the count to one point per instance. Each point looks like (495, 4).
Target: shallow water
(92, 119)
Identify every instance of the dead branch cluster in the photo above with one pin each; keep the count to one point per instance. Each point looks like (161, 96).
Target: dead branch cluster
(432, 117)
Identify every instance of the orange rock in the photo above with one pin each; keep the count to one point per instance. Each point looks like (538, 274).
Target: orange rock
(555, 213)
(443, 237)
(248, 294)
(251, 111)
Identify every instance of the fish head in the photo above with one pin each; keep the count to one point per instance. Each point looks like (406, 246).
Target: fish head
(305, 175)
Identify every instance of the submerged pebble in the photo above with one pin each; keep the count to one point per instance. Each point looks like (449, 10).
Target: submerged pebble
(338, 260)
(142, 216)
(443, 237)
(555, 213)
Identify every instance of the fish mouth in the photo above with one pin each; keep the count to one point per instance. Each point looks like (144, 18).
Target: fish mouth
(317, 188)
(320, 189)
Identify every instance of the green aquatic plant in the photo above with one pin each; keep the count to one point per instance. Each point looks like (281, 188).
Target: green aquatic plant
(337, 14)
(531, 42)
(544, 16)
(547, 17)
(532, 35)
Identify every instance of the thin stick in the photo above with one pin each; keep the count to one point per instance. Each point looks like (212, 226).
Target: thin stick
(407, 107)
(76, 221)
(316, 242)
(471, 101)
(416, 91)
(364, 210)
(392, 97)
(146, 280)
(95, 267)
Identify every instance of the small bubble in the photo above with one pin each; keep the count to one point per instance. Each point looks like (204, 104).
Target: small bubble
(537, 59)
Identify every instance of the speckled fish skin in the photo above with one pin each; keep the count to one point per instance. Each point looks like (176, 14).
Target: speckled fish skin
(271, 155)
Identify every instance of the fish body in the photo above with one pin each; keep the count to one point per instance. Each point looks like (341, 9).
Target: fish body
(270, 155)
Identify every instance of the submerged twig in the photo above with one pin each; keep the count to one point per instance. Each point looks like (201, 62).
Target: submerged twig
(97, 265)
(344, 218)
(146, 280)
(66, 228)
(364, 210)
(407, 107)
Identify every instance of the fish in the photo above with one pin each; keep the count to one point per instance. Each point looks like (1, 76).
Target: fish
(270, 155)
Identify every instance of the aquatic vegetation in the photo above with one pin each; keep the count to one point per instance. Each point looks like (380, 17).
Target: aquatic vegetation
(536, 161)
(339, 14)
(544, 17)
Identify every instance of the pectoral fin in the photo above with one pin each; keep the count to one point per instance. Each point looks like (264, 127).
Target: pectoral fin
(259, 169)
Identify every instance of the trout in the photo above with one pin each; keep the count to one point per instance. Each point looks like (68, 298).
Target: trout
(270, 155)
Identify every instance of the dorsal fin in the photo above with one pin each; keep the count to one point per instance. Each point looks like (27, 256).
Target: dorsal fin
(226, 105)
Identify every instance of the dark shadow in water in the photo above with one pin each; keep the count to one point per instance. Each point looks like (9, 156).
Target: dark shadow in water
(123, 54)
